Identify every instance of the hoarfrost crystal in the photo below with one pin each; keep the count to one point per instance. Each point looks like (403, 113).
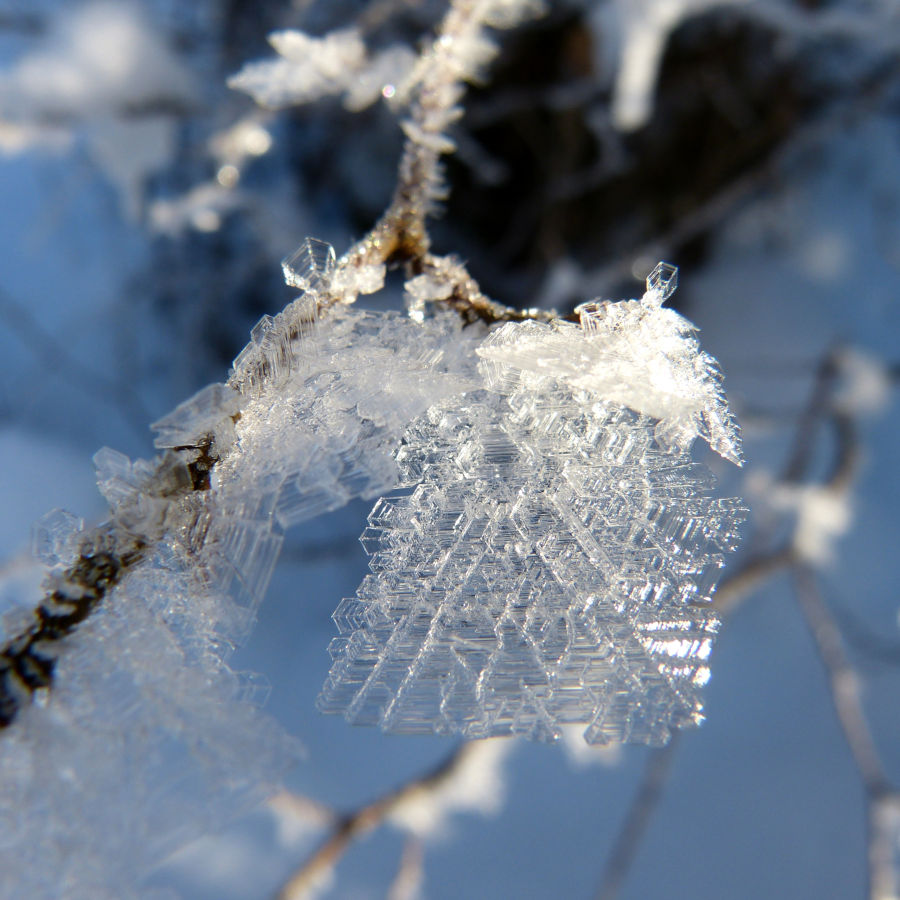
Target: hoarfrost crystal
(308, 68)
(309, 267)
(550, 554)
(633, 353)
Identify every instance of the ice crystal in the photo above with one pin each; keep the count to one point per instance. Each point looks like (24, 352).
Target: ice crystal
(309, 267)
(202, 415)
(54, 537)
(547, 561)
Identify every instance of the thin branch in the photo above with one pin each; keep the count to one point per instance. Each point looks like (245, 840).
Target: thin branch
(401, 234)
(643, 806)
(56, 358)
(747, 579)
(844, 682)
(354, 825)
(884, 847)
(845, 688)
(817, 407)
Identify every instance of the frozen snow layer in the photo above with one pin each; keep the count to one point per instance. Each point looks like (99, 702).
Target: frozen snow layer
(634, 353)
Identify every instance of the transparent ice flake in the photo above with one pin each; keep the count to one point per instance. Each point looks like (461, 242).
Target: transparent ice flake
(662, 282)
(197, 417)
(310, 267)
(54, 537)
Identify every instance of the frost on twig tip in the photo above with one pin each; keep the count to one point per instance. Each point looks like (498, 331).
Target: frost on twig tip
(309, 68)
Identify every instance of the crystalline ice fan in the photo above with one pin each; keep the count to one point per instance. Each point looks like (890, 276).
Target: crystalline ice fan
(550, 555)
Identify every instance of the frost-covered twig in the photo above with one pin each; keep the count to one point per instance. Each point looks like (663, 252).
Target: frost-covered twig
(549, 613)
(318, 868)
(844, 681)
(458, 53)
(407, 883)
(433, 86)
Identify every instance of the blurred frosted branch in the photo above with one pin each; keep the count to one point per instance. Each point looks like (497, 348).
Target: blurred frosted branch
(824, 405)
(407, 883)
(844, 682)
(446, 779)
(640, 812)
(845, 686)
(459, 53)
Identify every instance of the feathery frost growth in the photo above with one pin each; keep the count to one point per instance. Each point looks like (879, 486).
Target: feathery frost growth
(310, 68)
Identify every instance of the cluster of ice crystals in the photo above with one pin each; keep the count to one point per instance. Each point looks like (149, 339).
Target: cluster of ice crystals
(146, 737)
(422, 290)
(545, 562)
(267, 361)
(328, 435)
(206, 414)
(636, 354)
(541, 557)
(144, 742)
(54, 537)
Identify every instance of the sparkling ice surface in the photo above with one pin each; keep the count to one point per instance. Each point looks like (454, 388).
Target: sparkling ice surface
(544, 563)
(549, 555)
